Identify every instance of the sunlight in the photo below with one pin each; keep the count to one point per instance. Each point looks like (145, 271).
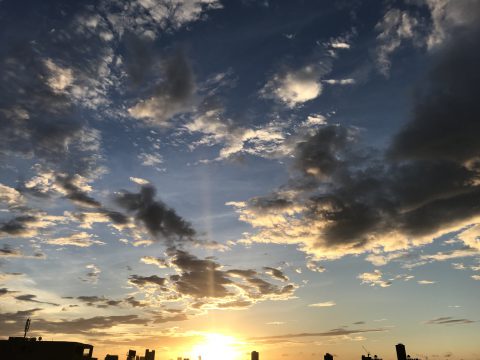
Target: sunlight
(216, 347)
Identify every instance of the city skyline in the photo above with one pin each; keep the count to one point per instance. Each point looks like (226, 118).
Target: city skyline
(216, 177)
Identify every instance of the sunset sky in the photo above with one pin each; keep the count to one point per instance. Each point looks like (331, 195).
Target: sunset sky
(212, 177)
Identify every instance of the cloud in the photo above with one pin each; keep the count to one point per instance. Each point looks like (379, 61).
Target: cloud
(333, 332)
(426, 282)
(159, 219)
(295, 87)
(339, 81)
(276, 273)
(93, 273)
(374, 279)
(139, 181)
(447, 17)
(395, 27)
(346, 198)
(204, 284)
(323, 304)
(97, 301)
(448, 321)
(150, 160)
(10, 196)
(32, 298)
(173, 96)
(81, 239)
(9, 252)
(142, 281)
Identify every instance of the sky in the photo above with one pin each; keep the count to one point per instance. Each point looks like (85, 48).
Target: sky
(212, 177)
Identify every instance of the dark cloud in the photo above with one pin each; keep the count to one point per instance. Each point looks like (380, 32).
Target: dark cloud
(159, 219)
(8, 251)
(199, 277)
(349, 198)
(11, 322)
(98, 301)
(75, 193)
(36, 114)
(5, 291)
(173, 95)
(333, 332)
(278, 274)
(444, 124)
(207, 282)
(19, 225)
(146, 280)
(449, 321)
(33, 298)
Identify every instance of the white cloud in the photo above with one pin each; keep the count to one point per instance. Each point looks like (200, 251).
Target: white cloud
(150, 159)
(339, 81)
(81, 239)
(426, 282)
(323, 304)
(340, 45)
(10, 196)
(139, 181)
(59, 78)
(374, 279)
(294, 87)
(395, 27)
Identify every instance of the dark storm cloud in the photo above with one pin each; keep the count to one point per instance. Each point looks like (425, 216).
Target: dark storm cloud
(33, 298)
(159, 219)
(449, 321)
(352, 198)
(142, 281)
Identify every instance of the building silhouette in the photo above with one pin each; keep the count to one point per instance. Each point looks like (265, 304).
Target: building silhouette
(328, 356)
(111, 357)
(401, 352)
(368, 357)
(24, 348)
(149, 355)
(255, 355)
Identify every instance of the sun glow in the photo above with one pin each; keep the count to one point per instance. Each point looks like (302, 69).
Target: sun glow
(217, 347)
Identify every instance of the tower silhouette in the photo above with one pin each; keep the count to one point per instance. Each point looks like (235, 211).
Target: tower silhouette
(255, 355)
(401, 352)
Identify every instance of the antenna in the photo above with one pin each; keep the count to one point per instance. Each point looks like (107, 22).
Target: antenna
(368, 352)
(27, 327)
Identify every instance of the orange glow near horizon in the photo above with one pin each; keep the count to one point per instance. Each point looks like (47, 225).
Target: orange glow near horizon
(217, 347)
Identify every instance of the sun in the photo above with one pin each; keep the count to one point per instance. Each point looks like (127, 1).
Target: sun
(216, 347)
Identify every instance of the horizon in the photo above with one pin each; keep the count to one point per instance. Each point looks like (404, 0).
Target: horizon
(221, 176)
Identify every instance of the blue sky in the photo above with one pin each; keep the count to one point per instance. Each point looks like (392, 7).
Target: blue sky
(299, 177)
